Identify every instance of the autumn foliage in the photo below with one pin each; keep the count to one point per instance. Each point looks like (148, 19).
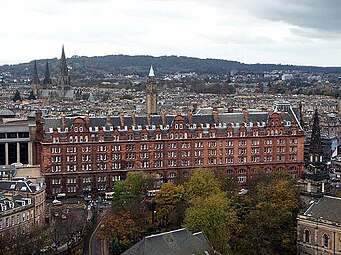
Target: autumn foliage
(262, 221)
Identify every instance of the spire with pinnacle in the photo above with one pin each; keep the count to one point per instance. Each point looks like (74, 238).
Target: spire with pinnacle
(64, 78)
(315, 147)
(315, 180)
(151, 93)
(35, 77)
(47, 79)
(151, 72)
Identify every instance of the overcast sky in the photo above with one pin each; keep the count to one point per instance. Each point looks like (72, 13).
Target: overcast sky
(306, 32)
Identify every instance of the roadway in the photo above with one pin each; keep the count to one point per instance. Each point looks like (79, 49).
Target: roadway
(96, 245)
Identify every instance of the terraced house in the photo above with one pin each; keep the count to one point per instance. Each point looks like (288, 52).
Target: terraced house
(88, 154)
(22, 206)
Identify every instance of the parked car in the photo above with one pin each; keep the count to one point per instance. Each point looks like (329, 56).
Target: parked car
(56, 202)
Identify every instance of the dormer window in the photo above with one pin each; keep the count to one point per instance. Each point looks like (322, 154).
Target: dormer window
(80, 129)
(76, 129)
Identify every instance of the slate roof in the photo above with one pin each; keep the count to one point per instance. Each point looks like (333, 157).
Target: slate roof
(19, 185)
(326, 208)
(231, 118)
(7, 113)
(176, 242)
(236, 119)
(202, 119)
(45, 93)
(258, 116)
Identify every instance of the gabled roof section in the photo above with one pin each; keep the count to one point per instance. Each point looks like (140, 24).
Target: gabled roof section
(326, 208)
(179, 241)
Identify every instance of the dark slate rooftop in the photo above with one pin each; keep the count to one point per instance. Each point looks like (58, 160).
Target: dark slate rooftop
(235, 118)
(176, 242)
(19, 185)
(326, 208)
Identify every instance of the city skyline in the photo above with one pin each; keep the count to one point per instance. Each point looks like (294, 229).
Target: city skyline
(281, 32)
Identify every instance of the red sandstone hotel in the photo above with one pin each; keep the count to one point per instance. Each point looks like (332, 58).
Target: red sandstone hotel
(88, 154)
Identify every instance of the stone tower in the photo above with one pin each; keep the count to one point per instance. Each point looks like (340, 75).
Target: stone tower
(151, 95)
(47, 79)
(64, 78)
(315, 181)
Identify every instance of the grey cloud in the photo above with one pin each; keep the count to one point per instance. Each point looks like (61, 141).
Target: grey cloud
(319, 16)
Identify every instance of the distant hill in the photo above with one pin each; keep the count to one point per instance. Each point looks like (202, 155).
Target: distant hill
(101, 67)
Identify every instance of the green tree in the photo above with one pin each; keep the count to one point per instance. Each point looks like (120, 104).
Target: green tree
(270, 226)
(202, 183)
(120, 231)
(215, 217)
(17, 96)
(169, 206)
(130, 194)
(32, 96)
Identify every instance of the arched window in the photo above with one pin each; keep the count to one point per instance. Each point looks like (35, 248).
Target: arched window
(280, 169)
(307, 236)
(229, 172)
(325, 241)
(241, 171)
(172, 175)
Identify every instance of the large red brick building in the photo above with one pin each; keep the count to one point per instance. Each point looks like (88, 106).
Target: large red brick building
(88, 154)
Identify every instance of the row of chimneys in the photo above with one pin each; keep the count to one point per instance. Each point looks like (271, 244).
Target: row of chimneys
(163, 117)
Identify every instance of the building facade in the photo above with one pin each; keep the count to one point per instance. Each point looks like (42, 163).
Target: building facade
(319, 228)
(22, 206)
(88, 154)
(17, 143)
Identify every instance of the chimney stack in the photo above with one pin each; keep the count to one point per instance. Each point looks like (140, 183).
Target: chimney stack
(163, 117)
(63, 122)
(215, 115)
(122, 119)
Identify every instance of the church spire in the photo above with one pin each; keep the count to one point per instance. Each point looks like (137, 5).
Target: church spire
(64, 78)
(35, 79)
(315, 143)
(47, 79)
